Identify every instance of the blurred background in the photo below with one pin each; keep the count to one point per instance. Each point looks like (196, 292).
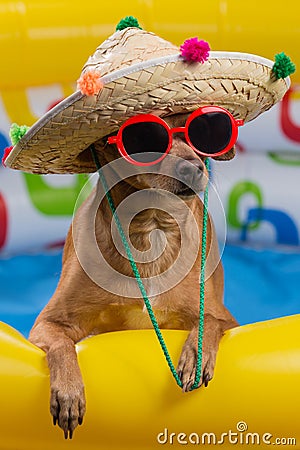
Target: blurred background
(45, 43)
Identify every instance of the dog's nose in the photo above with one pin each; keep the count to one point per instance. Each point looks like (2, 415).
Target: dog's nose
(190, 172)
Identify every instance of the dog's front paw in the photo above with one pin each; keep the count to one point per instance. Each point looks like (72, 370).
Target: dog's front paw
(67, 406)
(186, 368)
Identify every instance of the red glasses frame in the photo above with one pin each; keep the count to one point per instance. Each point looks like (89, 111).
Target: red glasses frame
(235, 123)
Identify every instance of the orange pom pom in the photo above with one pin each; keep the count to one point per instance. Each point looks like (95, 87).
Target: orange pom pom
(90, 83)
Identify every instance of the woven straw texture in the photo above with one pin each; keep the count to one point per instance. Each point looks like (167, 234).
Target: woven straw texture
(58, 142)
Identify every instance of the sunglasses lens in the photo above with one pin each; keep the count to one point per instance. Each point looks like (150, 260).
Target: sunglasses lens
(145, 142)
(210, 133)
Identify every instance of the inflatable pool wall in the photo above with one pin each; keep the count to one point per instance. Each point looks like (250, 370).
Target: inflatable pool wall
(36, 33)
(134, 403)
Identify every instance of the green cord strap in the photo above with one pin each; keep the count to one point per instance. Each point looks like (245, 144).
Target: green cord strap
(142, 287)
(202, 283)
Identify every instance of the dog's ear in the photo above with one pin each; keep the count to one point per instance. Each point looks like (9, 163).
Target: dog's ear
(226, 156)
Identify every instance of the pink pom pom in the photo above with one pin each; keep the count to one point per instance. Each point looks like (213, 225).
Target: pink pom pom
(5, 154)
(90, 83)
(195, 50)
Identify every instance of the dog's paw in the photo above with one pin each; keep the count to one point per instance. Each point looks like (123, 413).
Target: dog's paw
(67, 406)
(186, 368)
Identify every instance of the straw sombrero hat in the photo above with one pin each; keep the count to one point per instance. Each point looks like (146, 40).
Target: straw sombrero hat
(133, 72)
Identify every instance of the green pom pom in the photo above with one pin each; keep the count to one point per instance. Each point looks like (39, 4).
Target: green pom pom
(283, 66)
(16, 132)
(127, 22)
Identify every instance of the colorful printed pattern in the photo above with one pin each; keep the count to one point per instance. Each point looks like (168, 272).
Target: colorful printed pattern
(258, 189)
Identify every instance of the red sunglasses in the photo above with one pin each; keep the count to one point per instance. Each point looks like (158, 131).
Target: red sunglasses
(146, 139)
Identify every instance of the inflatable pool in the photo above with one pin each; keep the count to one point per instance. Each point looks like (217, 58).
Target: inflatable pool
(132, 399)
(134, 403)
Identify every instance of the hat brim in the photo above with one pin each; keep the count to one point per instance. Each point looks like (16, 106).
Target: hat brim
(242, 83)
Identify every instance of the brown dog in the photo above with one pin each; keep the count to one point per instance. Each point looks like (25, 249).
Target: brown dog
(81, 307)
(132, 73)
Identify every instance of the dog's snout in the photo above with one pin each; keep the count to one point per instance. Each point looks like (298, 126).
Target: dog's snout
(189, 171)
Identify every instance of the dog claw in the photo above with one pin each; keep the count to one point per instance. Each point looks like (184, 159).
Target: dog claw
(71, 434)
(54, 420)
(80, 421)
(189, 386)
(66, 433)
(206, 379)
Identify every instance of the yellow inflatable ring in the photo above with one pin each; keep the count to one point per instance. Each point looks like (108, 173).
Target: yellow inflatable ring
(134, 403)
